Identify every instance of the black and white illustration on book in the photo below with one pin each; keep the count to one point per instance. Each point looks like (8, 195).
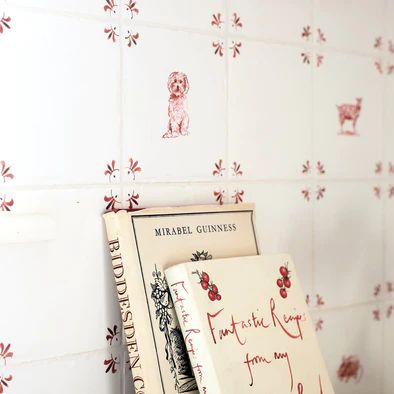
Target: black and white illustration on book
(176, 353)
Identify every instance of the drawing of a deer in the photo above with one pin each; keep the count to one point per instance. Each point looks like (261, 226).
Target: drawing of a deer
(349, 112)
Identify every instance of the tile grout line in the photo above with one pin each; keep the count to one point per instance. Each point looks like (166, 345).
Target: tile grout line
(383, 208)
(227, 94)
(121, 158)
(207, 182)
(313, 206)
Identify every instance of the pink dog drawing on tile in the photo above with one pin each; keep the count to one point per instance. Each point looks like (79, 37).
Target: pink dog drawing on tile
(178, 118)
(349, 112)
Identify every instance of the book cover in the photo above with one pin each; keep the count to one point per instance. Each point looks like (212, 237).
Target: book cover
(246, 326)
(144, 243)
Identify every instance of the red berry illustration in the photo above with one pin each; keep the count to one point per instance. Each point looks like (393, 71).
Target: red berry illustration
(218, 297)
(283, 293)
(204, 285)
(205, 277)
(214, 288)
(279, 282)
(211, 295)
(287, 283)
(284, 271)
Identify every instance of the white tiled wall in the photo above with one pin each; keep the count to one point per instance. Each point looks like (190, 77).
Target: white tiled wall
(83, 108)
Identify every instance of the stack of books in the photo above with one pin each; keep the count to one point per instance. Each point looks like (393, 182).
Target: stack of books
(204, 312)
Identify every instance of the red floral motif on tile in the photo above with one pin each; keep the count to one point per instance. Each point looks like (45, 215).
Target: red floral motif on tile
(350, 369)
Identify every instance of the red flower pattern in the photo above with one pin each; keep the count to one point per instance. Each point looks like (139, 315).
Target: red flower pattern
(112, 34)
(5, 354)
(390, 287)
(378, 66)
(378, 43)
(133, 167)
(235, 48)
(306, 32)
(113, 334)
(5, 23)
(319, 301)
(112, 31)
(306, 57)
(112, 201)
(131, 7)
(319, 60)
(319, 324)
(111, 170)
(320, 168)
(306, 193)
(5, 171)
(217, 20)
(110, 6)
(131, 38)
(236, 167)
(350, 368)
(391, 191)
(390, 46)
(219, 169)
(219, 196)
(376, 290)
(376, 314)
(218, 45)
(5, 205)
(238, 196)
(390, 310)
(4, 380)
(236, 21)
(133, 199)
(321, 38)
(391, 168)
(306, 168)
(378, 168)
(112, 364)
(320, 192)
(377, 191)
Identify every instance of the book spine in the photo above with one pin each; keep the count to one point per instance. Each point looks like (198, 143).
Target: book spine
(112, 222)
(189, 316)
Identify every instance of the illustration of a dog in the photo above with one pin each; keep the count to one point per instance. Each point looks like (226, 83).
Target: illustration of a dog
(178, 118)
(349, 112)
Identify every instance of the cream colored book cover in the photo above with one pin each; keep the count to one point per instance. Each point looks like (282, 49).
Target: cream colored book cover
(142, 245)
(246, 326)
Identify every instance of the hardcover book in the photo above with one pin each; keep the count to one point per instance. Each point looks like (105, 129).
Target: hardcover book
(246, 326)
(144, 243)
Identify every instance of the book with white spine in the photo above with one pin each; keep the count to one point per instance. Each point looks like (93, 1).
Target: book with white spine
(246, 326)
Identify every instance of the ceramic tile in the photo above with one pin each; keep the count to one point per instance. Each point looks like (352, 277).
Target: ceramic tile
(60, 114)
(88, 7)
(269, 111)
(198, 131)
(348, 90)
(64, 286)
(388, 347)
(389, 233)
(351, 25)
(351, 344)
(388, 161)
(191, 14)
(259, 18)
(283, 223)
(348, 243)
(79, 374)
(153, 195)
